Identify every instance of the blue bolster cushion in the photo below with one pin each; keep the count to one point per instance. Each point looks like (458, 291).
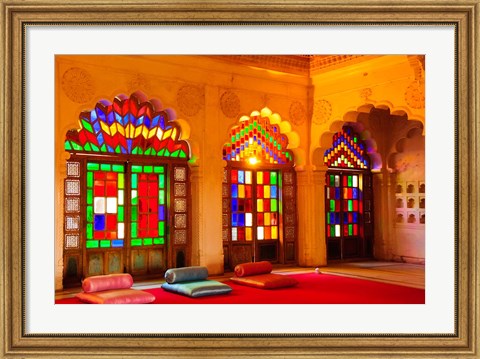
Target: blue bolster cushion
(186, 274)
(197, 288)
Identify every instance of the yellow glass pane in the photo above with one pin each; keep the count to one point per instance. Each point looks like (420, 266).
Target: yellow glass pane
(274, 232)
(259, 205)
(241, 191)
(248, 177)
(259, 177)
(266, 191)
(266, 218)
(248, 234)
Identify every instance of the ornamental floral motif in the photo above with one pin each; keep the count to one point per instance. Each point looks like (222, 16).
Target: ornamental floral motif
(78, 85)
(415, 95)
(190, 99)
(297, 113)
(322, 110)
(230, 104)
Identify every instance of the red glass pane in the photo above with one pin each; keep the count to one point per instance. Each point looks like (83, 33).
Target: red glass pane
(111, 235)
(360, 207)
(111, 222)
(142, 221)
(152, 221)
(337, 206)
(248, 205)
(350, 193)
(350, 217)
(142, 205)
(152, 189)
(355, 205)
(142, 233)
(111, 189)
(266, 205)
(234, 176)
(248, 191)
(267, 233)
(274, 218)
(99, 235)
(142, 189)
(241, 233)
(345, 205)
(355, 229)
(332, 192)
(112, 176)
(260, 191)
(153, 205)
(266, 177)
(259, 219)
(153, 233)
(345, 231)
(98, 175)
(345, 181)
(99, 190)
(153, 177)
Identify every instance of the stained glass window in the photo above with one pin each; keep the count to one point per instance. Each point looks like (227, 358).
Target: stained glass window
(348, 151)
(127, 126)
(256, 139)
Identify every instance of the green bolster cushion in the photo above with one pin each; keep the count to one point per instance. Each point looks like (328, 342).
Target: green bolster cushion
(254, 268)
(186, 274)
(197, 288)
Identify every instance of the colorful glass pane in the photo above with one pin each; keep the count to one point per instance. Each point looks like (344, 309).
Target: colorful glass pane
(348, 151)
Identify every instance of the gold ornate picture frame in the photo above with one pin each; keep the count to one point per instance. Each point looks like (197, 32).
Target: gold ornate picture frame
(18, 15)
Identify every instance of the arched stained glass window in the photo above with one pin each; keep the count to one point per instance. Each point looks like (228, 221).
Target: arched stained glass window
(348, 197)
(126, 191)
(256, 139)
(259, 208)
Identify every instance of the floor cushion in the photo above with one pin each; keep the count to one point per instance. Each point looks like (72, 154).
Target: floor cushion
(108, 281)
(184, 274)
(117, 296)
(197, 288)
(266, 281)
(252, 268)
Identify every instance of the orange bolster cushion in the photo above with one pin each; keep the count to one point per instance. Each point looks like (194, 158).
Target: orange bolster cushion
(117, 296)
(106, 282)
(254, 268)
(266, 281)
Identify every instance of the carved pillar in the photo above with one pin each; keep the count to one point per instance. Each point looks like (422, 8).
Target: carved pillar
(320, 244)
(383, 224)
(197, 215)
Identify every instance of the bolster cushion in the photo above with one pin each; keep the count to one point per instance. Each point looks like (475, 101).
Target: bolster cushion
(117, 296)
(247, 269)
(106, 282)
(266, 281)
(197, 288)
(186, 274)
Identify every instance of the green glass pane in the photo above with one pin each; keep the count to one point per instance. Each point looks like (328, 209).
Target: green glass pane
(175, 154)
(273, 177)
(117, 168)
(89, 196)
(134, 180)
(120, 214)
(136, 169)
(148, 152)
(161, 181)
(133, 229)
(95, 148)
(136, 242)
(89, 231)
(93, 166)
(104, 244)
(134, 198)
(87, 147)
(118, 149)
(89, 179)
(273, 205)
(328, 218)
(89, 214)
(104, 148)
(350, 205)
(350, 183)
(161, 228)
(158, 241)
(332, 180)
(161, 197)
(332, 205)
(77, 147)
(87, 126)
(67, 145)
(135, 151)
(161, 152)
(350, 230)
(332, 231)
(182, 154)
(121, 181)
(92, 244)
(158, 169)
(134, 211)
(105, 167)
(147, 241)
(148, 169)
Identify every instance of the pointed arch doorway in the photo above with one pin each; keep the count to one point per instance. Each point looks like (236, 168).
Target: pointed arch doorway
(259, 199)
(348, 198)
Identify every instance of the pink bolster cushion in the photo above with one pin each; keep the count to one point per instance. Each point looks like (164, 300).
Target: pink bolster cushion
(106, 282)
(117, 296)
(246, 269)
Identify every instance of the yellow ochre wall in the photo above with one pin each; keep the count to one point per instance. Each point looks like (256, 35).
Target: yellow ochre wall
(383, 96)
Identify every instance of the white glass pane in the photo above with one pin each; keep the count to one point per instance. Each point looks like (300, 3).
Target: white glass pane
(111, 205)
(120, 197)
(234, 234)
(337, 181)
(99, 205)
(248, 177)
(354, 181)
(248, 219)
(121, 230)
(337, 230)
(260, 233)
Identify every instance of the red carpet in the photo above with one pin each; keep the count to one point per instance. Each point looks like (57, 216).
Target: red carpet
(312, 289)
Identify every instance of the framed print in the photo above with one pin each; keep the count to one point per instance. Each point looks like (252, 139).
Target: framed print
(142, 138)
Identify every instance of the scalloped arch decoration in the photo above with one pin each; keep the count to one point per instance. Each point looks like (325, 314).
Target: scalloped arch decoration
(256, 137)
(128, 126)
(348, 151)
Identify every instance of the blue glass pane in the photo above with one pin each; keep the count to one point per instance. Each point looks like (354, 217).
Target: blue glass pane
(161, 213)
(345, 217)
(241, 219)
(337, 193)
(234, 219)
(234, 205)
(117, 243)
(337, 218)
(332, 217)
(355, 193)
(241, 176)
(99, 222)
(355, 217)
(273, 191)
(234, 191)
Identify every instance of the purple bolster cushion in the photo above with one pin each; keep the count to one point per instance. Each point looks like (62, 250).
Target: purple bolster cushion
(106, 282)
(247, 269)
